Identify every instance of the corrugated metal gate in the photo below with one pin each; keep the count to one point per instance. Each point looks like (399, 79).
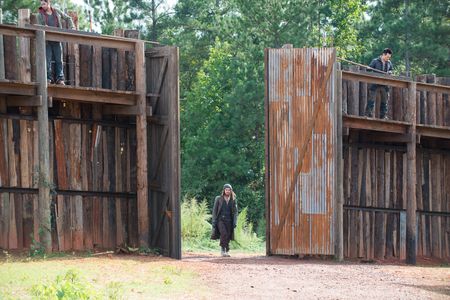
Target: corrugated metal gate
(300, 151)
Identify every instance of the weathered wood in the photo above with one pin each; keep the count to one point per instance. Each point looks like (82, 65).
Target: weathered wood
(25, 170)
(125, 110)
(62, 182)
(24, 48)
(121, 73)
(118, 187)
(411, 228)
(43, 128)
(75, 178)
(2, 51)
(339, 188)
(10, 55)
(353, 94)
(141, 135)
(380, 230)
(24, 100)
(86, 60)
(389, 217)
(403, 225)
(97, 65)
(13, 182)
(431, 101)
(436, 191)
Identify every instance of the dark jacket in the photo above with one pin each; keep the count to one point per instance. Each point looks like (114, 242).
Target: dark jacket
(215, 214)
(42, 18)
(377, 63)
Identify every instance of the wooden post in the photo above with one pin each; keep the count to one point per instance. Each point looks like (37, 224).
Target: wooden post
(339, 208)
(24, 48)
(2, 52)
(411, 230)
(44, 159)
(141, 134)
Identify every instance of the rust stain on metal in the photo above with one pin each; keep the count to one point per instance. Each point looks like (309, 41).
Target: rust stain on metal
(295, 79)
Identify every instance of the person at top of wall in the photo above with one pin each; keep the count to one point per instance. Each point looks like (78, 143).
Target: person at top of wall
(382, 63)
(50, 16)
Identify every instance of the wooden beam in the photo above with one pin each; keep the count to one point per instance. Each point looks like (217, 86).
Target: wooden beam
(339, 183)
(141, 135)
(125, 110)
(86, 94)
(411, 205)
(375, 124)
(85, 38)
(24, 101)
(16, 31)
(436, 88)
(384, 137)
(12, 87)
(44, 156)
(433, 131)
(372, 78)
(2, 51)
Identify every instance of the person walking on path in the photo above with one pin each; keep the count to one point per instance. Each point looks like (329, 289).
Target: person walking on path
(384, 64)
(50, 16)
(224, 218)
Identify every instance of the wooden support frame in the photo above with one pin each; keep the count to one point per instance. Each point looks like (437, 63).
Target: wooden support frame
(92, 95)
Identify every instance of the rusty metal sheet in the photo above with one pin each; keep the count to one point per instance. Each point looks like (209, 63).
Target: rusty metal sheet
(301, 124)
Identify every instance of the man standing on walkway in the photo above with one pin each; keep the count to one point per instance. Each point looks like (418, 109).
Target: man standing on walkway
(381, 63)
(50, 16)
(224, 217)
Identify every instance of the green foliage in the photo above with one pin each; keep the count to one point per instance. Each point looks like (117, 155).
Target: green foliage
(244, 237)
(37, 249)
(115, 291)
(194, 220)
(416, 30)
(196, 230)
(68, 286)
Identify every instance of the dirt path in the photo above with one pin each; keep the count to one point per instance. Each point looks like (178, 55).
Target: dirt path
(260, 277)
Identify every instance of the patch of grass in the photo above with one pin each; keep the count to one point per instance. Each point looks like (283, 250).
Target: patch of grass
(110, 278)
(68, 286)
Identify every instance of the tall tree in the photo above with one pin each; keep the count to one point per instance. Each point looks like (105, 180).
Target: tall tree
(416, 30)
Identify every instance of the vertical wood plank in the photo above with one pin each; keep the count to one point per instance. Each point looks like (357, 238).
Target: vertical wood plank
(62, 183)
(380, 230)
(141, 135)
(411, 228)
(339, 207)
(44, 164)
(24, 48)
(2, 51)
(13, 182)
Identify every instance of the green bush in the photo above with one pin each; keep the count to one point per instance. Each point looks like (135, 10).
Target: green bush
(68, 286)
(244, 236)
(194, 220)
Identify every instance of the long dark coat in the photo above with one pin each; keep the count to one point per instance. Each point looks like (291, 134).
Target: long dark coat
(215, 234)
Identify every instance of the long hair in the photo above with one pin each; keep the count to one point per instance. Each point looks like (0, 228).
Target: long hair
(232, 195)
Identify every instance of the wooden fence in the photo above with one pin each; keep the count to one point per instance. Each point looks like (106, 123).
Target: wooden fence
(105, 190)
(375, 176)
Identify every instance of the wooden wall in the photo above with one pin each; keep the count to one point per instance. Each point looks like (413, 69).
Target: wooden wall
(93, 155)
(375, 180)
(93, 170)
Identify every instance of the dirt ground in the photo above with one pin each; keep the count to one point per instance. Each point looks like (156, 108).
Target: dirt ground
(260, 277)
(242, 276)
